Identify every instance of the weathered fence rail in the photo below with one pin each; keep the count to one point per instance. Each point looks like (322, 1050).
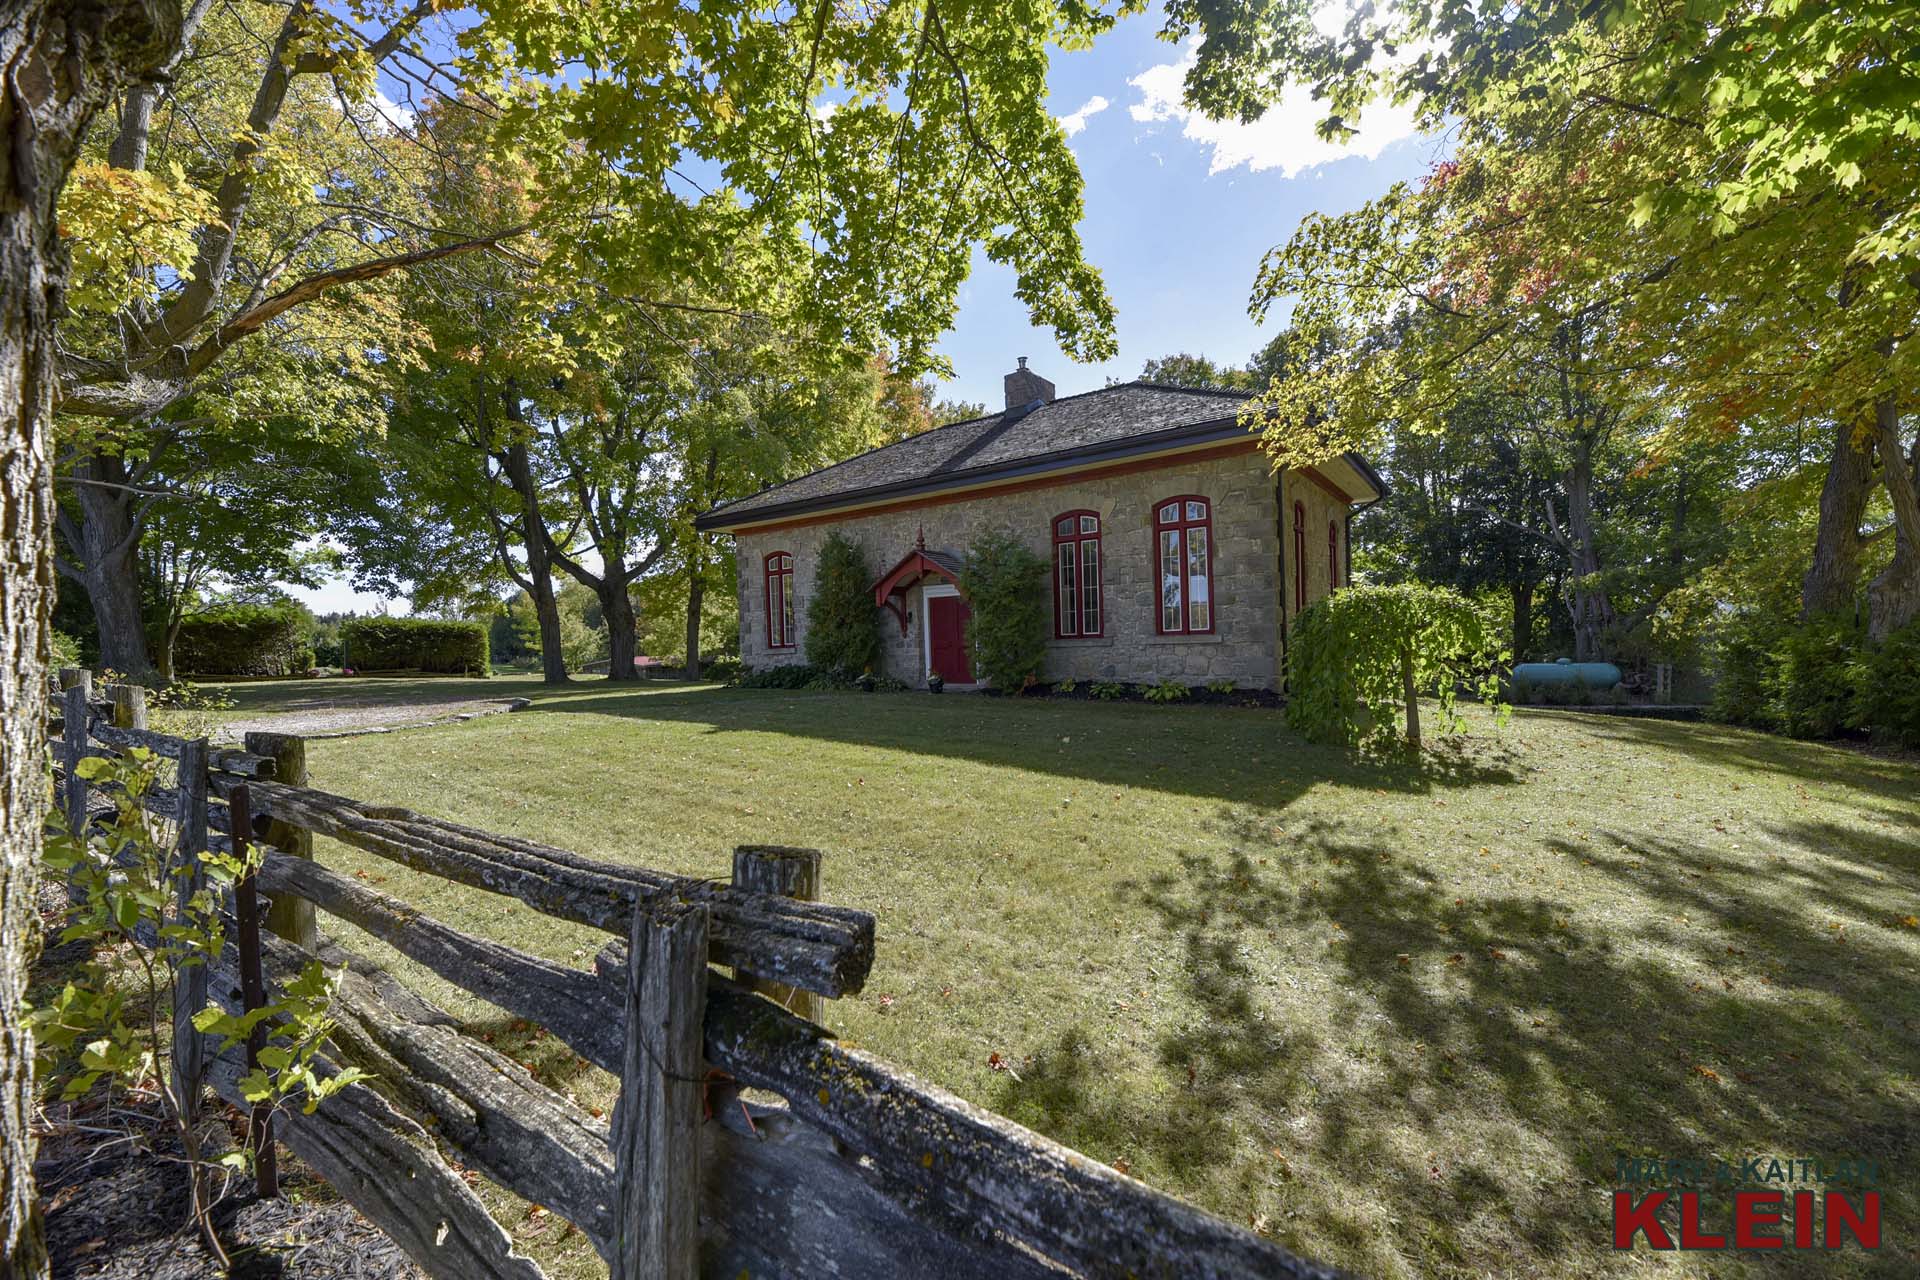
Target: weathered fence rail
(861, 1170)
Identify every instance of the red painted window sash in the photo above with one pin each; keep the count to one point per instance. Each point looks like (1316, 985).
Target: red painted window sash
(1333, 556)
(1182, 527)
(777, 568)
(1299, 556)
(1070, 609)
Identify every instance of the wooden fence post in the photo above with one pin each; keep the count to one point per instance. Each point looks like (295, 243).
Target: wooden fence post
(76, 713)
(253, 995)
(289, 917)
(656, 1123)
(190, 984)
(129, 705)
(790, 873)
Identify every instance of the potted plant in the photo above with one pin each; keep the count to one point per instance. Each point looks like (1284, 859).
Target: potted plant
(934, 683)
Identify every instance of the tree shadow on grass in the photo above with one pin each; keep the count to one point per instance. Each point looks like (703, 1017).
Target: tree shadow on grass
(1241, 755)
(1893, 776)
(1449, 1065)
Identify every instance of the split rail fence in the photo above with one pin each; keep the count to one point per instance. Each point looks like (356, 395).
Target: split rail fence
(864, 1171)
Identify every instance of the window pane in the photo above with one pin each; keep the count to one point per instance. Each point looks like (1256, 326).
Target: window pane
(1090, 587)
(1069, 602)
(1064, 528)
(1200, 608)
(1170, 598)
(1196, 511)
(1170, 513)
(786, 608)
(1089, 524)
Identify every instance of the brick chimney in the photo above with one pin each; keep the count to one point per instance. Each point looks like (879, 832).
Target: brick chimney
(1024, 387)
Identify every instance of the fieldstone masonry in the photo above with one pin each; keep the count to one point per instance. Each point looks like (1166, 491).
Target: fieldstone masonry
(1248, 510)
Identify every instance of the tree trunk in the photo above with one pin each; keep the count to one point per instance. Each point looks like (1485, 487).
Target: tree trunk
(168, 640)
(696, 602)
(1522, 619)
(58, 63)
(1412, 696)
(697, 570)
(616, 606)
(109, 563)
(1592, 609)
(1893, 598)
(533, 533)
(1833, 579)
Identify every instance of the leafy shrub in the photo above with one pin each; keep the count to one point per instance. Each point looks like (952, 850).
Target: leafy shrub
(66, 651)
(1220, 686)
(1108, 690)
(1066, 686)
(1359, 658)
(843, 626)
(1743, 665)
(1811, 681)
(423, 644)
(1887, 695)
(244, 640)
(794, 675)
(1004, 584)
(1165, 691)
(722, 670)
(185, 710)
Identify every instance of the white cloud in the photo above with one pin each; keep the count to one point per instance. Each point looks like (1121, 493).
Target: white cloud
(1078, 120)
(1281, 139)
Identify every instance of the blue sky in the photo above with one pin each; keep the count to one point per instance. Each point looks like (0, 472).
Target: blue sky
(1179, 211)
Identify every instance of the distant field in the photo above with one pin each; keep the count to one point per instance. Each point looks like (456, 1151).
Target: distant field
(1402, 1019)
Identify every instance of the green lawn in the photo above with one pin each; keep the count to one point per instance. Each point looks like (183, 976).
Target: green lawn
(1400, 1018)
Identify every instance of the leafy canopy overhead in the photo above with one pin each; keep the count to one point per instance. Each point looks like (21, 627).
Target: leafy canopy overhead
(1727, 193)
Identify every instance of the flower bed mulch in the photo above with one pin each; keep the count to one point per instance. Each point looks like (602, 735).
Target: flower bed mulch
(117, 1210)
(115, 1191)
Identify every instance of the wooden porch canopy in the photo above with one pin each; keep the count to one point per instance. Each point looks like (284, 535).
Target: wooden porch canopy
(890, 592)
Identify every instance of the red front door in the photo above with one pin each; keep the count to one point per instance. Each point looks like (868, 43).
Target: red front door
(947, 638)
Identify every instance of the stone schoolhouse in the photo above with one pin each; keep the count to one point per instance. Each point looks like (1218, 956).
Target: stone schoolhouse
(1177, 553)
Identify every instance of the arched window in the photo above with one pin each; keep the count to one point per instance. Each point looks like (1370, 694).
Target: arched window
(1183, 531)
(779, 566)
(1333, 556)
(1299, 556)
(1076, 574)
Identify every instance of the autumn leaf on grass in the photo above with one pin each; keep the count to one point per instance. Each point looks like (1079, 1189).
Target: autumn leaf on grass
(1705, 1073)
(998, 1063)
(1908, 922)
(1122, 1166)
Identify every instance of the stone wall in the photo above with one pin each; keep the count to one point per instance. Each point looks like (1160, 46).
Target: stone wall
(1321, 507)
(1244, 647)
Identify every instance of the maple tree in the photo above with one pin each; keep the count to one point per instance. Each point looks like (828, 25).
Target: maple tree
(1726, 192)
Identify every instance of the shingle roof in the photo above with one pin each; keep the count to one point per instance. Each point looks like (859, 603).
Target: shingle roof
(1094, 421)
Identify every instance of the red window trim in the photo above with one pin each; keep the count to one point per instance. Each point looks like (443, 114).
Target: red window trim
(1183, 525)
(1061, 608)
(1333, 555)
(781, 576)
(1299, 556)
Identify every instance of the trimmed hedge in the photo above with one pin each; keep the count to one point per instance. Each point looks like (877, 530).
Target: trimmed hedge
(416, 644)
(1818, 679)
(243, 640)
